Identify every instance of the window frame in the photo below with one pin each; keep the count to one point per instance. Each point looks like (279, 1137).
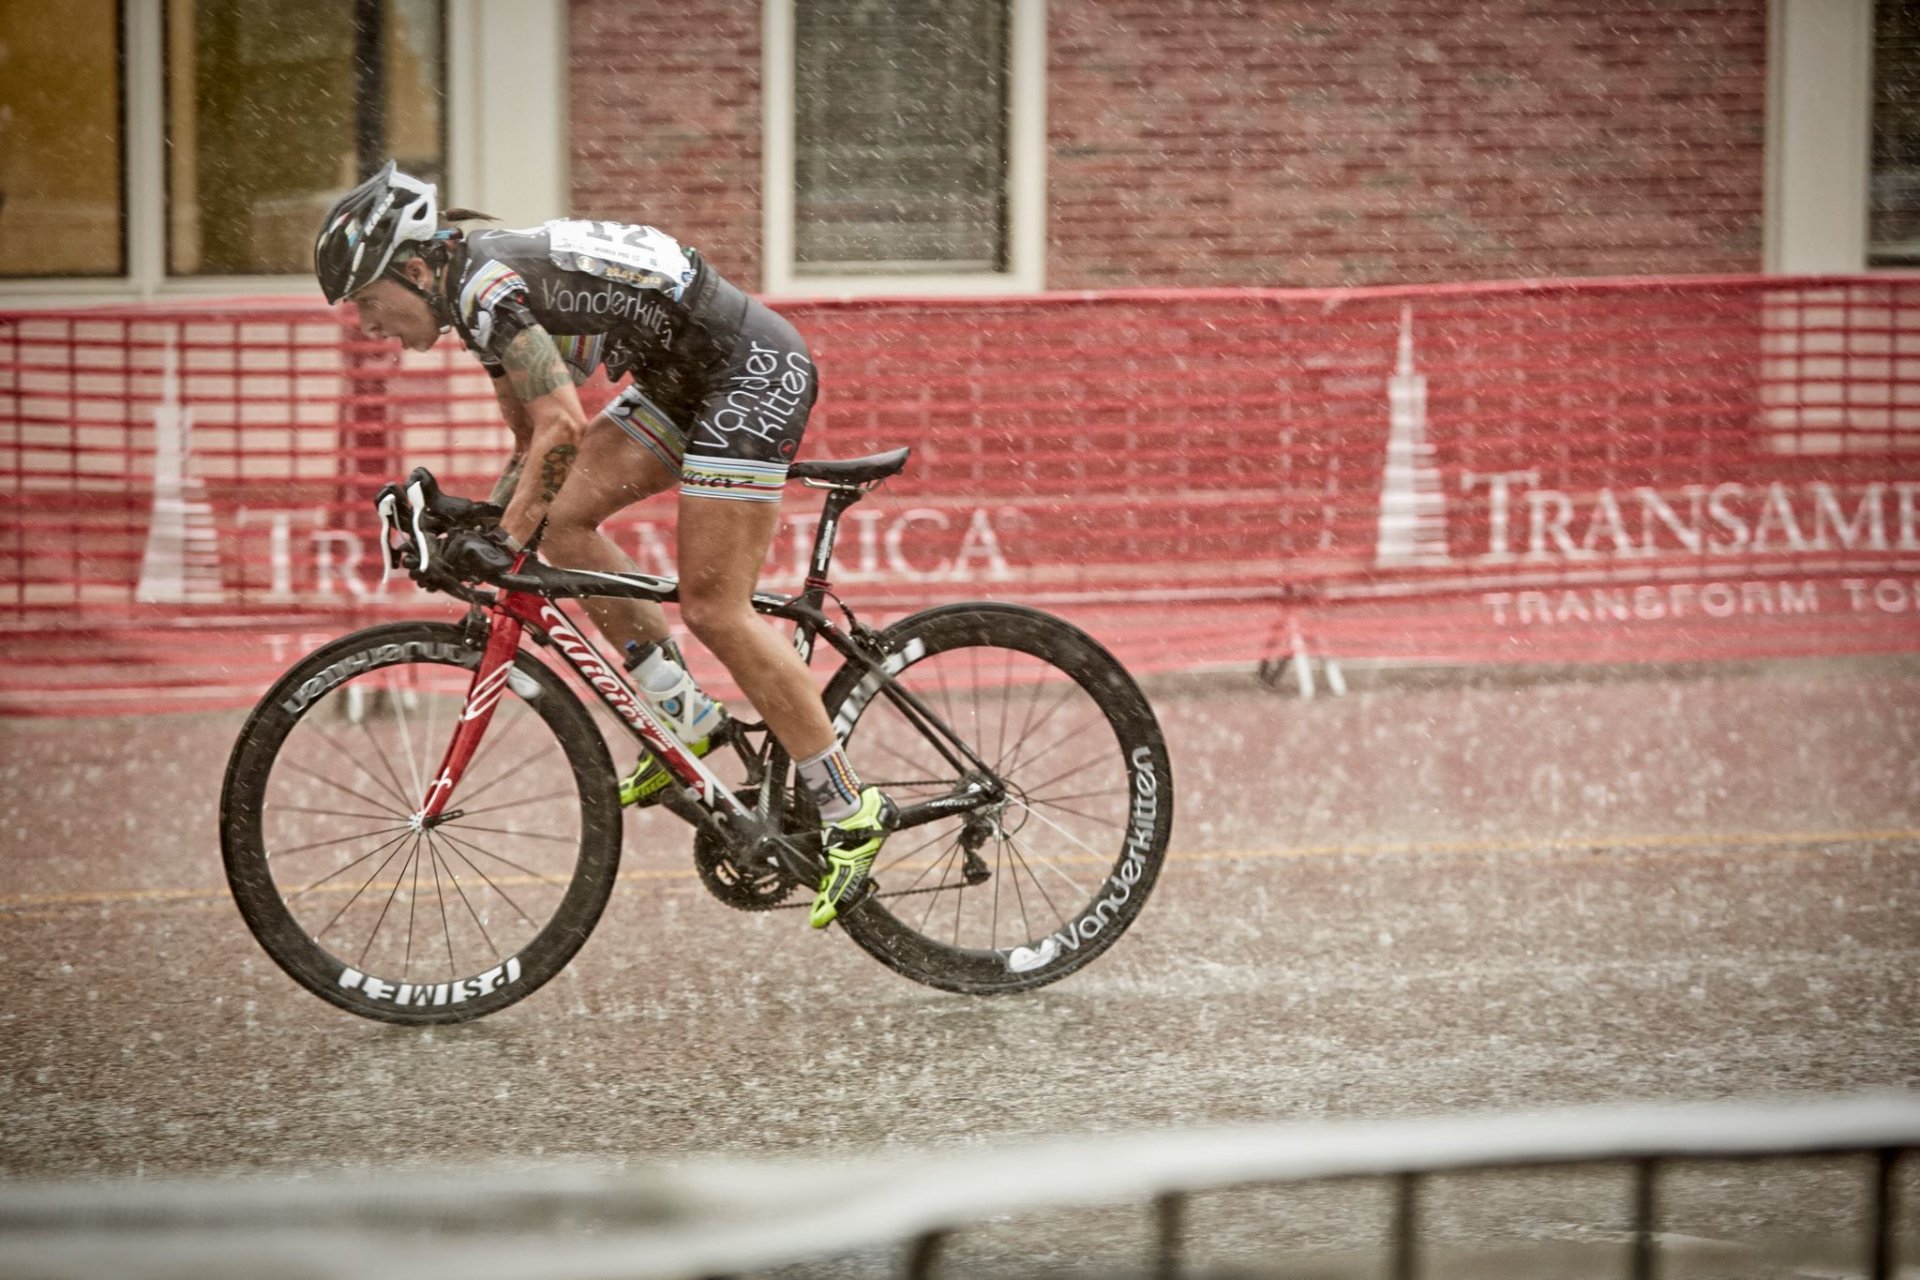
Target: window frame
(1026, 173)
(1817, 201)
(524, 42)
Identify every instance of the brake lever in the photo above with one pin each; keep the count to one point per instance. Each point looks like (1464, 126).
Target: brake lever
(417, 497)
(388, 505)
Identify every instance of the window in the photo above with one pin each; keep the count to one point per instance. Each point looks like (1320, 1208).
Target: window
(905, 145)
(1893, 236)
(275, 107)
(150, 147)
(62, 180)
(900, 135)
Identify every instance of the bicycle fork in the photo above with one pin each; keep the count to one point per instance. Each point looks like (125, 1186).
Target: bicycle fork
(483, 695)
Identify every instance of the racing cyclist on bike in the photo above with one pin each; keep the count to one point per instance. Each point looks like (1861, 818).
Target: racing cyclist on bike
(720, 392)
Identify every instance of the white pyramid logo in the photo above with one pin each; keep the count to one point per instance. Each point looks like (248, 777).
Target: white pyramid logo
(1413, 510)
(182, 561)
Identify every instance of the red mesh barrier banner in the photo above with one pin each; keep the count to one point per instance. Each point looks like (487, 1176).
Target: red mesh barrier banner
(1595, 471)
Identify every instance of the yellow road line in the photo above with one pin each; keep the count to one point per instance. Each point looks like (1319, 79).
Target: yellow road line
(1426, 848)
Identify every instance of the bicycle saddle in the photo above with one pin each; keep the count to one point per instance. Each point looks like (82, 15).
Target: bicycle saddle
(852, 470)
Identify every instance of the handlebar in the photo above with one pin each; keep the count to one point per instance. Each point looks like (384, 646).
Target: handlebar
(436, 529)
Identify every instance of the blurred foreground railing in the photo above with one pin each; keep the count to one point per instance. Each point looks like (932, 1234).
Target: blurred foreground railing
(713, 1219)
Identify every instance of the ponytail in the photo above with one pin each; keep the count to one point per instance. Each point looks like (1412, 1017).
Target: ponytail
(467, 215)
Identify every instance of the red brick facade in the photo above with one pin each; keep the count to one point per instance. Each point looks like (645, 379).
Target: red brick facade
(1269, 142)
(664, 121)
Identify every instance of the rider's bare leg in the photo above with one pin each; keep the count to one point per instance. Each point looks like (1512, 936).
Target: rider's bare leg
(610, 473)
(723, 545)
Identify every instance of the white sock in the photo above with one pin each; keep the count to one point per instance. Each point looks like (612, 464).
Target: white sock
(831, 781)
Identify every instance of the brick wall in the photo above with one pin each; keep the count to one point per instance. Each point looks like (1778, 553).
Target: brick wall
(1391, 141)
(1269, 142)
(664, 121)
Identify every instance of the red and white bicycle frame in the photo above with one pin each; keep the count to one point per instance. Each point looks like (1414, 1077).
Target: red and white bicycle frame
(511, 613)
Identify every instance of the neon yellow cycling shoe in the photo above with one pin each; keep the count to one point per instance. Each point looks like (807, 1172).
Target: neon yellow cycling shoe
(851, 844)
(649, 778)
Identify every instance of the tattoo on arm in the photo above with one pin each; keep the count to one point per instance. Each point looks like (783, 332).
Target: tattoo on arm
(554, 468)
(509, 480)
(533, 365)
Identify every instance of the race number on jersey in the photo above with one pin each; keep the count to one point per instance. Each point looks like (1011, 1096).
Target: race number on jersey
(643, 256)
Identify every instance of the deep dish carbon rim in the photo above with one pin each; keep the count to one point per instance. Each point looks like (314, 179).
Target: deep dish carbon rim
(1063, 866)
(364, 906)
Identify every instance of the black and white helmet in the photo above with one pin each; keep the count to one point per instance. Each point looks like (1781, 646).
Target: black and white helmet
(358, 238)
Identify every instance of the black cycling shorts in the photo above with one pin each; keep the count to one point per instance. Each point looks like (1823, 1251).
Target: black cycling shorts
(749, 424)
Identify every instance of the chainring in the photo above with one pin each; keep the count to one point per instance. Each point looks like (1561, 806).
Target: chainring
(760, 889)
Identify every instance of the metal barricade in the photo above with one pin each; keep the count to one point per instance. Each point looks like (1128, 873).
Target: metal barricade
(709, 1219)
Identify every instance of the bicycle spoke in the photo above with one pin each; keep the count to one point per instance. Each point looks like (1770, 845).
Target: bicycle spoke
(1006, 683)
(1014, 875)
(512, 804)
(479, 789)
(340, 871)
(910, 852)
(440, 896)
(416, 763)
(321, 844)
(1003, 753)
(935, 863)
(387, 906)
(1077, 795)
(455, 842)
(1023, 747)
(357, 795)
(993, 929)
(973, 660)
(482, 849)
(1049, 863)
(1092, 762)
(1031, 726)
(1014, 846)
(357, 892)
(918, 766)
(959, 901)
(340, 749)
(331, 813)
(502, 831)
(461, 890)
(1052, 804)
(935, 897)
(392, 774)
(413, 907)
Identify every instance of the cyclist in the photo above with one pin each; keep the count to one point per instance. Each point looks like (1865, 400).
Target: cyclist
(720, 391)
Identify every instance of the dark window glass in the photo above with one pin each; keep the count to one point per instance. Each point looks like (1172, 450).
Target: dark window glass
(276, 107)
(900, 135)
(62, 184)
(1893, 237)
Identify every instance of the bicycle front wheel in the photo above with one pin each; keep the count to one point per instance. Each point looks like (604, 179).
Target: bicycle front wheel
(372, 911)
(1058, 870)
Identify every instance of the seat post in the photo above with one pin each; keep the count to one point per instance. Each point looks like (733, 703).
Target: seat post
(839, 498)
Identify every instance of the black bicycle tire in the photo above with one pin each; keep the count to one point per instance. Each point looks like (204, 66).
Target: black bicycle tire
(1077, 655)
(242, 840)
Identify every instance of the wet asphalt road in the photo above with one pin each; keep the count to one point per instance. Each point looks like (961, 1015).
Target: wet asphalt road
(1420, 898)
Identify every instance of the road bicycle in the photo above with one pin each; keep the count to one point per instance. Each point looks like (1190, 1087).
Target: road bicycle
(421, 821)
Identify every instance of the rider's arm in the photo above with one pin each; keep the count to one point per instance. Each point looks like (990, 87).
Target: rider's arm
(541, 388)
(522, 427)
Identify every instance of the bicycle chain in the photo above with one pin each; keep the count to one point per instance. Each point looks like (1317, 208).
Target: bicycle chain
(898, 893)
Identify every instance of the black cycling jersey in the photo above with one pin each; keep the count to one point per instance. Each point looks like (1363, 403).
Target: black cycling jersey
(722, 384)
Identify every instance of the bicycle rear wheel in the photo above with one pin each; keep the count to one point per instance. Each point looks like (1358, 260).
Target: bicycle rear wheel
(375, 915)
(1071, 855)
